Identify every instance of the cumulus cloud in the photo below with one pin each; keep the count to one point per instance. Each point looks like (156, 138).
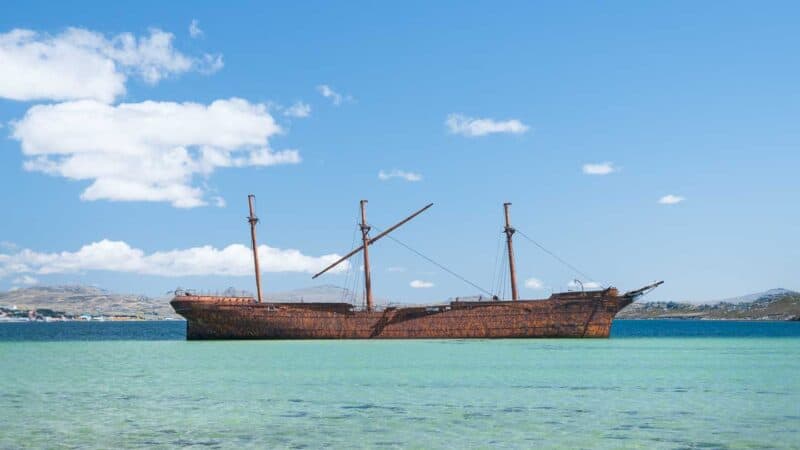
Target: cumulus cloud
(149, 151)
(396, 173)
(335, 97)
(210, 64)
(396, 269)
(194, 29)
(25, 279)
(118, 256)
(83, 64)
(586, 285)
(472, 127)
(533, 283)
(299, 110)
(329, 93)
(603, 168)
(419, 284)
(671, 199)
(218, 201)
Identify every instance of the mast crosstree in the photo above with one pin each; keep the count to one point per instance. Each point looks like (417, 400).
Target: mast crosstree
(509, 230)
(365, 239)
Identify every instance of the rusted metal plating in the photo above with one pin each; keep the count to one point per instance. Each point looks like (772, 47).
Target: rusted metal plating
(571, 314)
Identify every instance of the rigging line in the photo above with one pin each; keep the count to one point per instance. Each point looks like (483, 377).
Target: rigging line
(361, 296)
(498, 281)
(354, 268)
(353, 292)
(504, 280)
(349, 269)
(502, 273)
(436, 263)
(562, 261)
(353, 274)
(357, 284)
(501, 289)
(496, 272)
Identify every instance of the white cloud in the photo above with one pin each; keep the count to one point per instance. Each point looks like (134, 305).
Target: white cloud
(118, 256)
(603, 168)
(396, 269)
(533, 283)
(83, 64)
(419, 284)
(329, 93)
(218, 201)
(586, 285)
(335, 97)
(210, 64)
(194, 29)
(670, 199)
(149, 151)
(472, 127)
(25, 279)
(408, 176)
(299, 109)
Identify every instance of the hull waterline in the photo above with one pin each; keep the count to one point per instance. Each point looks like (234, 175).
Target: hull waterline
(568, 315)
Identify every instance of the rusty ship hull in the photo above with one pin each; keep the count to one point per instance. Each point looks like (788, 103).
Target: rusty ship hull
(578, 314)
(566, 315)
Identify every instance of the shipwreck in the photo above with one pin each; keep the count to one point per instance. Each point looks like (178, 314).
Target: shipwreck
(584, 313)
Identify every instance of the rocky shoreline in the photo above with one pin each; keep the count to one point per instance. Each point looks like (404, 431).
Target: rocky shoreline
(49, 315)
(88, 303)
(775, 304)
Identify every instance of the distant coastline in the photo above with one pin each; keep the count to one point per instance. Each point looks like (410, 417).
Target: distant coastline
(16, 315)
(48, 316)
(88, 303)
(772, 305)
(80, 303)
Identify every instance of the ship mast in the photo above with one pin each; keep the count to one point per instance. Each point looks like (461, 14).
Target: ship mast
(365, 239)
(510, 232)
(253, 221)
(366, 242)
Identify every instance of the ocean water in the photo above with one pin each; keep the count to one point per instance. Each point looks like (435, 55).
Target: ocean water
(654, 384)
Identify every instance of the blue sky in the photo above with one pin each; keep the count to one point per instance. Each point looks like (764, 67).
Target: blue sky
(693, 100)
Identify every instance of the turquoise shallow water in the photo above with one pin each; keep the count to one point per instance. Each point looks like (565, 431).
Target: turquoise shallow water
(624, 392)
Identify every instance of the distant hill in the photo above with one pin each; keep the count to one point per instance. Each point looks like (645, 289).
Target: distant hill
(758, 296)
(324, 293)
(774, 304)
(77, 300)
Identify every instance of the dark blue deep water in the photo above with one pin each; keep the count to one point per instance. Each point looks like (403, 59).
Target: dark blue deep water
(176, 330)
